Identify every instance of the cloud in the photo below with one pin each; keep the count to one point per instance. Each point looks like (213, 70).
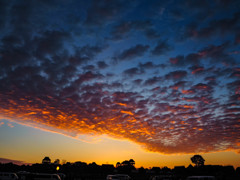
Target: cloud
(237, 39)
(125, 28)
(153, 80)
(215, 27)
(1, 123)
(102, 64)
(161, 48)
(179, 60)
(151, 34)
(132, 71)
(3, 13)
(176, 75)
(196, 4)
(4, 161)
(88, 76)
(217, 53)
(211, 54)
(151, 66)
(197, 69)
(202, 86)
(133, 52)
(50, 42)
(147, 65)
(97, 109)
(179, 84)
(103, 12)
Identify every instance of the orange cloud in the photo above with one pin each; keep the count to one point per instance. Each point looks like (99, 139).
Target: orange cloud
(197, 70)
(127, 112)
(122, 104)
(187, 106)
(187, 91)
(165, 127)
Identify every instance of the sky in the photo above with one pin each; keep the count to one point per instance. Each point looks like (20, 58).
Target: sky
(104, 81)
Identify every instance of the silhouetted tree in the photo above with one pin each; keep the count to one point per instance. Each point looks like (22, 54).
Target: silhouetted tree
(198, 160)
(141, 170)
(238, 171)
(156, 169)
(46, 160)
(57, 161)
(118, 164)
(166, 169)
(126, 166)
(190, 166)
(93, 164)
(131, 162)
(125, 163)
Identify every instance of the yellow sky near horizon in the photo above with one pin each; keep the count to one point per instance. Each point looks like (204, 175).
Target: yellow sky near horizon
(31, 145)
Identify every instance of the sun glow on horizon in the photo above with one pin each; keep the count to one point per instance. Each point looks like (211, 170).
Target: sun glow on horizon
(100, 149)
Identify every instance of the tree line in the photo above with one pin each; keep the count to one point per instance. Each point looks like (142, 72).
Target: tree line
(82, 170)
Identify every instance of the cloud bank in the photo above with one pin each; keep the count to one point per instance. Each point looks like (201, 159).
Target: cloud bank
(169, 82)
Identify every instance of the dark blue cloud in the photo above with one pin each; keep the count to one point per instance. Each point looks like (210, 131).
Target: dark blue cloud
(161, 48)
(133, 52)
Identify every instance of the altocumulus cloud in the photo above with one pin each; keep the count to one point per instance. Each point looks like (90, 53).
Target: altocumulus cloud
(58, 71)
